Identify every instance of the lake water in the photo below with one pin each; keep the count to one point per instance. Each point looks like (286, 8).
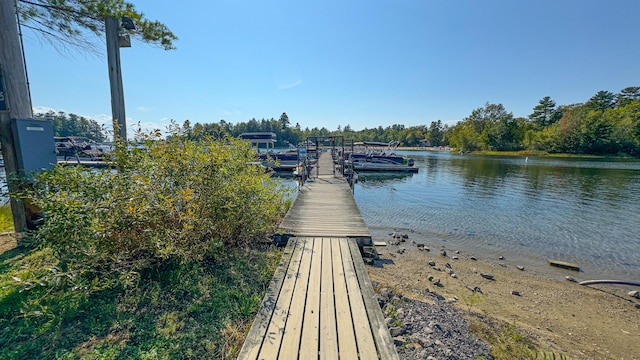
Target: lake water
(585, 211)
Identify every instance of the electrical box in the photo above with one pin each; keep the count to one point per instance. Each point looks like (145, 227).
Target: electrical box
(35, 148)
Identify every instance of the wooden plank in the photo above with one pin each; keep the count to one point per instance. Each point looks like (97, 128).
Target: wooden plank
(328, 330)
(325, 208)
(384, 343)
(273, 337)
(564, 265)
(253, 342)
(346, 335)
(364, 337)
(293, 330)
(311, 323)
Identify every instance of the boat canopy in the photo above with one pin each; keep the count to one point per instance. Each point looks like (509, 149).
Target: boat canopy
(376, 143)
(257, 138)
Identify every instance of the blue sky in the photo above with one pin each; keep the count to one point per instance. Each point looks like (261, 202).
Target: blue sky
(363, 63)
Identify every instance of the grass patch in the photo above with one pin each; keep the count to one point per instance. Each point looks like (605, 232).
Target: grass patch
(507, 341)
(182, 310)
(6, 218)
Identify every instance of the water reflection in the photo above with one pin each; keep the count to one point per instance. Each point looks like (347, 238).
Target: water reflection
(576, 209)
(368, 180)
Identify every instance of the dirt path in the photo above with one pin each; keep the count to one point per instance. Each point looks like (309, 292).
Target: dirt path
(597, 322)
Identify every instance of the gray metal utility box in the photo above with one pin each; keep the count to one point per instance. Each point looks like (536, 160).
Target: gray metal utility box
(35, 148)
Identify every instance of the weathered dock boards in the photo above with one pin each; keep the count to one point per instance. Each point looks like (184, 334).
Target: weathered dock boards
(325, 207)
(320, 303)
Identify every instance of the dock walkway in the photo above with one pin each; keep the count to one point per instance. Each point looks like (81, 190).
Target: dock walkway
(320, 303)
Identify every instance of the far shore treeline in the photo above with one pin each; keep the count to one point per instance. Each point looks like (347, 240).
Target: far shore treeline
(606, 124)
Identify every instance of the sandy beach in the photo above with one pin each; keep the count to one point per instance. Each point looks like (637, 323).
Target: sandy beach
(562, 317)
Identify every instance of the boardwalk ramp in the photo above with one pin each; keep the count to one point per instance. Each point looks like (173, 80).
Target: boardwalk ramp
(320, 303)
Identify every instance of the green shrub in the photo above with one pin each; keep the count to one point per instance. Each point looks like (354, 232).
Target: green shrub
(173, 199)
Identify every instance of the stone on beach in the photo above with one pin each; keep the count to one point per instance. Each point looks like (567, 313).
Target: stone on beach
(487, 276)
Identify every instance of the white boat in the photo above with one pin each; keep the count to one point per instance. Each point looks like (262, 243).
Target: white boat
(377, 156)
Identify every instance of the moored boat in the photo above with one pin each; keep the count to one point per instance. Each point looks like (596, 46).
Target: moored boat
(377, 156)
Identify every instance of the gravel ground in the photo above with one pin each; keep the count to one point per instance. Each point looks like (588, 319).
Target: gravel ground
(429, 331)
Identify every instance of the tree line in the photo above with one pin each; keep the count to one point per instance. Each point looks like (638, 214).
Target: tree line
(74, 125)
(606, 124)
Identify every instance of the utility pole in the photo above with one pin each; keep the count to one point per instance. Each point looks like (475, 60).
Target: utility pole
(115, 79)
(17, 104)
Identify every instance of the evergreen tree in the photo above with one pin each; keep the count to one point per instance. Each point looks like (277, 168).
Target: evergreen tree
(545, 113)
(628, 95)
(66, 22)
(602, 101)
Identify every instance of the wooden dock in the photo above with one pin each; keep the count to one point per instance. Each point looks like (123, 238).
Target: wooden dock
(320, 303)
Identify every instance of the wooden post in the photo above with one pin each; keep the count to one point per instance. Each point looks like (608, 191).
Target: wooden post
(16, 94)
(115, 79)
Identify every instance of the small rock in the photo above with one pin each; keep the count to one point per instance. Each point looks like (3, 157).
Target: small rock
(448, 271)
(501, 257)
(453, 275)
(405, 236)
(474, 258)
(457, 251)
(399, 340)
(473, 270)
(515, 292)
(384, 294)
(437, 268)
(571, 278)
(447, 265)
(634, 294)
(502, 264)
(401, 250)
(432, 263)
(520, 267)
(487, 276)
(454, 257)
(392, 254)
(436, 281)
(474, 289)
(443, 253)
(397, 331)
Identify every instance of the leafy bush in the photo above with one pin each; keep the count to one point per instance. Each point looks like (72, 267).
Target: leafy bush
(173, 199)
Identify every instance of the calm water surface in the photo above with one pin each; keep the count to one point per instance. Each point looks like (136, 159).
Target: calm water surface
(529, 210)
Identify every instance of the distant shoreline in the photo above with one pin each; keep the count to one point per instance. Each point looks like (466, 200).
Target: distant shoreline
(517, 153)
